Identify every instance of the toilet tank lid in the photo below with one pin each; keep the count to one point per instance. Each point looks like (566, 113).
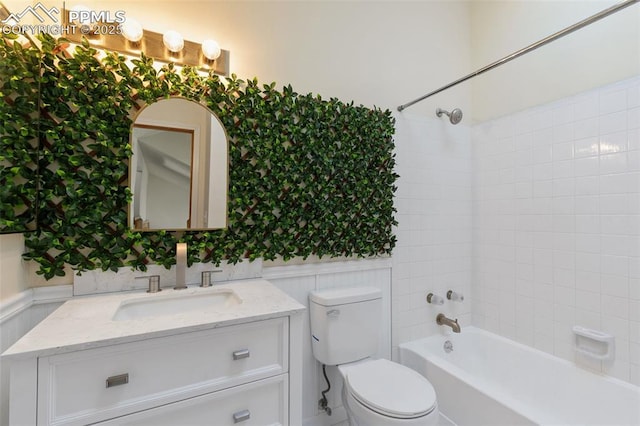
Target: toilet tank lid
(341, 296)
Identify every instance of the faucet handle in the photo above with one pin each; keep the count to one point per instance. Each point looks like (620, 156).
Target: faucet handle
(205, 277)
(154, 283)
(452, 295)
(434, 299)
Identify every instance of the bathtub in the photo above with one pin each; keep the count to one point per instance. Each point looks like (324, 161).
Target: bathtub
(490, 380)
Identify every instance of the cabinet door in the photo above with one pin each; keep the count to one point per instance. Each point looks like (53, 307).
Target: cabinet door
(260, 403)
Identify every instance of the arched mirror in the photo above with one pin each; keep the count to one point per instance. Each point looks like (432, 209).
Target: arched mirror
(179, 170)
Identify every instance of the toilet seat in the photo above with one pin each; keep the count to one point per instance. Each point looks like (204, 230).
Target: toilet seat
(390, 389)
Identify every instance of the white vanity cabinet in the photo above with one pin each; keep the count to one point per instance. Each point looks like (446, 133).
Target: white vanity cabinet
(241, 369)
(89, 386)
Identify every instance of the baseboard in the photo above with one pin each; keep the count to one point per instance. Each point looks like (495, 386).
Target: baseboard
(33, 296)
(15, 304)
(52, 294)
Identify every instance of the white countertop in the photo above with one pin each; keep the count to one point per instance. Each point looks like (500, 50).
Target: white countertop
(87, 322)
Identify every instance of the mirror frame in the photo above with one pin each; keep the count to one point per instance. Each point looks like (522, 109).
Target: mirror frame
(149, 123)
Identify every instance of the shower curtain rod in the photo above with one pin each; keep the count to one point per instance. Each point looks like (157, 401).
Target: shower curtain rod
(613, 9)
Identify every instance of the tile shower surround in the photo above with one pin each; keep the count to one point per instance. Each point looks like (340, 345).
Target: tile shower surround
(556, 224)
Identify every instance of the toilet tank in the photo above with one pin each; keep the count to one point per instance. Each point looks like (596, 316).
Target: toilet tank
(345, 323)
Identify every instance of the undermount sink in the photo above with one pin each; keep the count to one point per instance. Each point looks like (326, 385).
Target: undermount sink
(175, 303)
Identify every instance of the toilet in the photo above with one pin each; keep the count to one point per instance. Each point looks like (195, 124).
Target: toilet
(345, 329)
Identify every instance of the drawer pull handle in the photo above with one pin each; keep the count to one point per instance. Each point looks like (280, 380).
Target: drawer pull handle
(244, 353)
(241, 416)
(120, 379)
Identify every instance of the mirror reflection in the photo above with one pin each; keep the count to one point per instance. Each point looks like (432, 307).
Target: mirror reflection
(178, 170)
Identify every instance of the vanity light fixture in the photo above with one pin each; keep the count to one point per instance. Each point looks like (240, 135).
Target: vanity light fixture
(131, 39)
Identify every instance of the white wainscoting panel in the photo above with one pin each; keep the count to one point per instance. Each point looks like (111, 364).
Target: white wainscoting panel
(18, 315)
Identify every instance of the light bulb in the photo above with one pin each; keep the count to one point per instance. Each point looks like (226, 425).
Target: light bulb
(132, 30)
(173, 41)
(211, 49)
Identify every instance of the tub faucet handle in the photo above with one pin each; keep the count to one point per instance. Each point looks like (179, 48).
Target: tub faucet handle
(452, 295)
(434, 299)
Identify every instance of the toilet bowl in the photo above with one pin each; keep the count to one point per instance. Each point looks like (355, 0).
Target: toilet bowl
(384, 393)
(345, 332)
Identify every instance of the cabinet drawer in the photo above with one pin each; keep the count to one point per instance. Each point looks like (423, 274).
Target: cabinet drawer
(98, 384)
(256, 404)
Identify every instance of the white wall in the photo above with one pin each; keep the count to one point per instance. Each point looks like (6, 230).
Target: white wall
(13, 278)
(557, 224)
(602, 53)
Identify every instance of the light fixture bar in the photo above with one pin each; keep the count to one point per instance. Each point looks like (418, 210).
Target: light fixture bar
(152, 46)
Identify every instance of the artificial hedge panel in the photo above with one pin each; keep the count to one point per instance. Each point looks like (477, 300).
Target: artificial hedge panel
(18, 136)
(307, 176)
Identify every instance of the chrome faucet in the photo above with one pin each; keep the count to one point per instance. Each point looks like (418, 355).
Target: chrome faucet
(441, 319)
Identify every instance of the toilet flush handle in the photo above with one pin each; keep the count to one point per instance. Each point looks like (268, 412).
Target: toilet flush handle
(333, 313)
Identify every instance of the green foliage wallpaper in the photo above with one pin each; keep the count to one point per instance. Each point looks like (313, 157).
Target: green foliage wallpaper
(308, 176)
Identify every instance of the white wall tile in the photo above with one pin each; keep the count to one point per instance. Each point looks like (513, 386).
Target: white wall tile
(588, 166)
(633, 118)
(613, 163)
(614, 204)
(613, 143)
(588, 204)
(586, 147)
(434, 251)
(612, 123)
(589, 185)
(586, 107)
(574, 219)
(588, 300)
(613, 101)
(633, 139)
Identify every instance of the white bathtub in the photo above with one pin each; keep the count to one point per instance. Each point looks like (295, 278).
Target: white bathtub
(490, 380)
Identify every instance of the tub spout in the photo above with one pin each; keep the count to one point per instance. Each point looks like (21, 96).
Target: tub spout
(441, 319)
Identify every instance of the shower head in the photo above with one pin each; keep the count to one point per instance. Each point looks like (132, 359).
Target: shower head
(455, 116)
